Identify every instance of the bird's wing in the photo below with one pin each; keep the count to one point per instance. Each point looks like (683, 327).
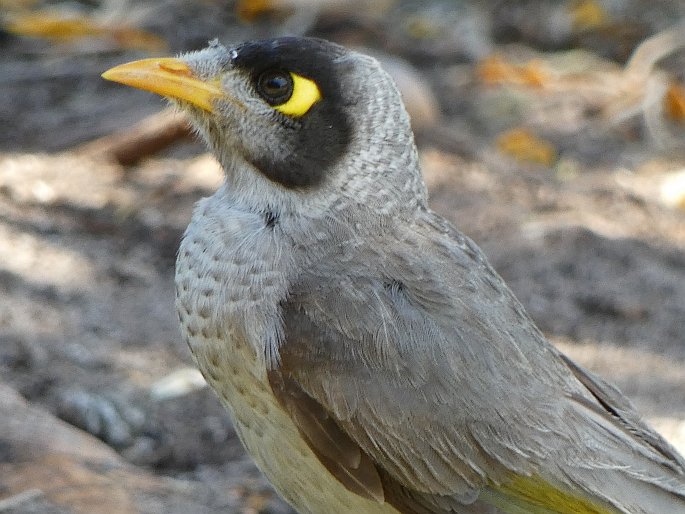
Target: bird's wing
(421, 380)
(612, 404)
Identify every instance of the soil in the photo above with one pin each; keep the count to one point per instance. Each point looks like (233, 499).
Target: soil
(100, 408)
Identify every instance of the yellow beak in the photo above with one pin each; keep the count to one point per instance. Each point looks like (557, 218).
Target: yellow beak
(167, 77)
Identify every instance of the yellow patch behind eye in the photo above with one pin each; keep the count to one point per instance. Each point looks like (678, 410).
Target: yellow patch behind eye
(305, 94)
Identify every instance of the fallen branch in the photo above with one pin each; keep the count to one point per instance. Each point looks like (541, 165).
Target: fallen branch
(143, 139)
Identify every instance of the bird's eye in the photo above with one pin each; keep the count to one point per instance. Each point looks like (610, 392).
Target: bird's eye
(275, 86)
(288, 92)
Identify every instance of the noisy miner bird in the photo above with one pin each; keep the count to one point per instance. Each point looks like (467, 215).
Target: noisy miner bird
(371, 358)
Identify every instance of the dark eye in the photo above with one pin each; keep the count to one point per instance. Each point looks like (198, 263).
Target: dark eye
(275, 86)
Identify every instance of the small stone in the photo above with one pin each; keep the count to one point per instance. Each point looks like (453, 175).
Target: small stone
(178, 383)
(673, 190)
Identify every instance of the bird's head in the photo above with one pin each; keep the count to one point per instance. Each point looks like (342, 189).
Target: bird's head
(292, 119)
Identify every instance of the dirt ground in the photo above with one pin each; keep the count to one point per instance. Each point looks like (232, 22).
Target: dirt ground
(539, 138)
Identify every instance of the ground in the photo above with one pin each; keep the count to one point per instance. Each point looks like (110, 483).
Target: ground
(540, 140)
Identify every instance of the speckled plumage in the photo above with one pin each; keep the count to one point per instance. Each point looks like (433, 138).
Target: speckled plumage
(371, 358)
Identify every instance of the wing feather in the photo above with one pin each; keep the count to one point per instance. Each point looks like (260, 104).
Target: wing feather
(334, 448)
(430, 374)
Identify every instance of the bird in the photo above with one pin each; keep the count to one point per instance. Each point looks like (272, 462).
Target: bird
(371, 358)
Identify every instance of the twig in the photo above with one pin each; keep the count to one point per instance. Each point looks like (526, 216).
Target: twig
(143, 139)
(15, 501)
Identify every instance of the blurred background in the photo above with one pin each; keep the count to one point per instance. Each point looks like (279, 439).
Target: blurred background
(550, 131)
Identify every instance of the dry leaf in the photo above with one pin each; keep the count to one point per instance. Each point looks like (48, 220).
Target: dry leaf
(524, 146)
